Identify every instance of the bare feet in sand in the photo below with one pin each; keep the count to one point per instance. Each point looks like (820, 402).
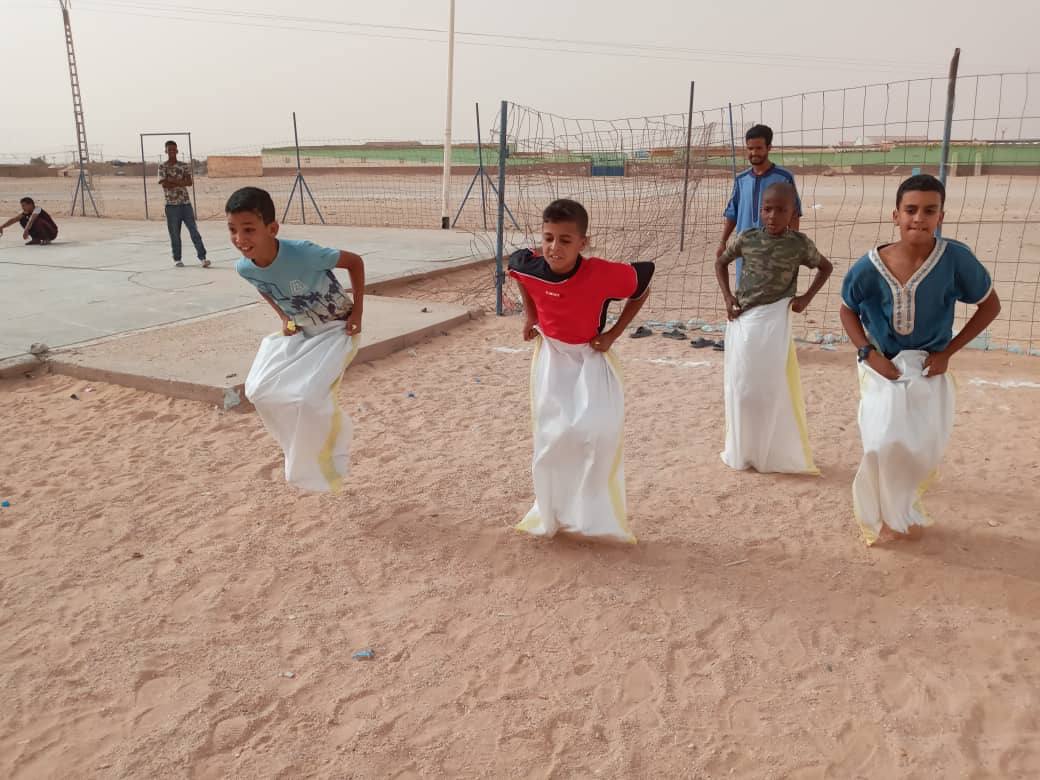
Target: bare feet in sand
(913, 534)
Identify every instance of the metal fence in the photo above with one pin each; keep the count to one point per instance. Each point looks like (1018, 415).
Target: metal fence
(656, 186)
(848, 148)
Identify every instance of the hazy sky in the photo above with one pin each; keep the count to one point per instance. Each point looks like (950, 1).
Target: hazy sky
(232, 71)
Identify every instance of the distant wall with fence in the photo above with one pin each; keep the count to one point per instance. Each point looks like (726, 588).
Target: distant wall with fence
(377, 184)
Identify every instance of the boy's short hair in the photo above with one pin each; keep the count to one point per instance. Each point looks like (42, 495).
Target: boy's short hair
(167, 144)
(784, 188)
(760, 131)
(28, 200)
(566, 210)
(922, 182)
(254, 200)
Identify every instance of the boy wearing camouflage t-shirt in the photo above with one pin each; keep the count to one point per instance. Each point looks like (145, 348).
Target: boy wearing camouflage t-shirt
(772, 255)
(765, 413)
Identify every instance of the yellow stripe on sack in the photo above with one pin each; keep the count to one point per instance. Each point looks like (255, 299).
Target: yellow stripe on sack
(612, 483)
(615, 364)
(332, 477)
(794, 387)
(927, 482)
(529, 523)
(869, 535)
(924, 487)
(534, 368)
(328, 470)
(532, 519)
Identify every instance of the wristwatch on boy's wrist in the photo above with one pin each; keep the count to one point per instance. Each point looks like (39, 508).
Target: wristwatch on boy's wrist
(864, 352)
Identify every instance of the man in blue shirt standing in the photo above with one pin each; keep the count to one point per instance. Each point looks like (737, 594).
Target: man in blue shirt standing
(742, 211)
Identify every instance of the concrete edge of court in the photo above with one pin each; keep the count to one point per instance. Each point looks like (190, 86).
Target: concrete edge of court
(68, 360)
(144, 361)
(207, 358)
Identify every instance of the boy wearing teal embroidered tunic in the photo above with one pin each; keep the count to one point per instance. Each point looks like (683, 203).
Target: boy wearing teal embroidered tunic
(898, 309)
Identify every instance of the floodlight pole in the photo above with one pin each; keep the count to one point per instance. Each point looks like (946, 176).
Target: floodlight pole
(446, 180)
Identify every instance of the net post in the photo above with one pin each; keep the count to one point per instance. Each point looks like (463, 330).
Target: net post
(951, 94)
(500, 230)
(686, 175)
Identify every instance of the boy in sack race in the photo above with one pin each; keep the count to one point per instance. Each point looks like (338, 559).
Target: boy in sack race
(296, 372)
(577, 393)
(898, 304)
(766, 427)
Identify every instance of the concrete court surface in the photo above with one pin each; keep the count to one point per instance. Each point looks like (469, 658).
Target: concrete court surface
(104, 277)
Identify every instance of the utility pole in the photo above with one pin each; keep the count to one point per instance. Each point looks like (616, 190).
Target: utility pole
(446, 177)
(83, 190)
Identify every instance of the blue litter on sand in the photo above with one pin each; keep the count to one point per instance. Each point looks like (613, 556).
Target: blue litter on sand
(5, 504)
(364, 655)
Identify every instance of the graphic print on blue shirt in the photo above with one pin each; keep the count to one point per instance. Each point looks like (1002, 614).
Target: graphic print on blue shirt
(301, 282)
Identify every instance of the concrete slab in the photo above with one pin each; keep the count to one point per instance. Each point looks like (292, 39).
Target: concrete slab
(105, 277)
(208, 359)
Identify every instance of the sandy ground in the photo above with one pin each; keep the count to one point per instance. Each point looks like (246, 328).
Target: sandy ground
(639, 217)
(170, 608)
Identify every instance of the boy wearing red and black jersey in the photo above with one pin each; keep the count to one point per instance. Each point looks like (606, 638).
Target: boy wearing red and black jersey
(577, 396)
(565, 295)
